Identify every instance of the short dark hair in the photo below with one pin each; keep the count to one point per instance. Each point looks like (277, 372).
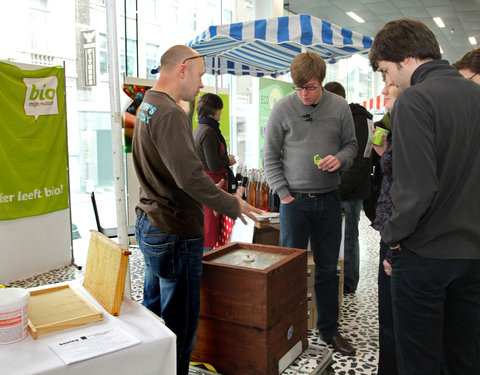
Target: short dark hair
(208, 104)
(306, 66)
(403, 38)
(470, 61)
(336, 88)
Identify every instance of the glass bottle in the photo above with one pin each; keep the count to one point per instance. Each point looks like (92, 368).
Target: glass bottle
(238, 175)
(265, 189)
(258, 190)
(252, 186)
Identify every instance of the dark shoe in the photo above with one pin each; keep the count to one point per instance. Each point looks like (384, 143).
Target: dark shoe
(340, 344)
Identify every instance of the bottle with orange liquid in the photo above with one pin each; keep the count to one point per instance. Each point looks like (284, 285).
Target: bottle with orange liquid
(252, 185)
(265, 189)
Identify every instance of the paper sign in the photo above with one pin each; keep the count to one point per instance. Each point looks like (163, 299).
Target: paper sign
(242, 232)
(368, 147)
(81, 347)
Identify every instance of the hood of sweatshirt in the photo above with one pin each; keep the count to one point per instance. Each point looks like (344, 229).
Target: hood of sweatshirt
(357, 109)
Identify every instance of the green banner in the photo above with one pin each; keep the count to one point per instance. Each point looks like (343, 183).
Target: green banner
(33, 142)
(271, 91)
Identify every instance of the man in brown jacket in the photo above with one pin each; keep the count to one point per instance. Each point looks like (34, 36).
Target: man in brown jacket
(173, 188)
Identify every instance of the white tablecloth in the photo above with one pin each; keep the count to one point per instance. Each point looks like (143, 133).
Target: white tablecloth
(156, 354)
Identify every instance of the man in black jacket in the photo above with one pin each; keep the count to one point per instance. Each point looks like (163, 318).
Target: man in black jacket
(354, 188)
(433, 230)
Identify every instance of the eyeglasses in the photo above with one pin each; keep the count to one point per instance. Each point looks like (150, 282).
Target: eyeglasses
(193, 57)
(308, 88)
(473, 76)
(156, 70)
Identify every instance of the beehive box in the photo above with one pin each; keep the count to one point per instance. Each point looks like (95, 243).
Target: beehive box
(253, 308)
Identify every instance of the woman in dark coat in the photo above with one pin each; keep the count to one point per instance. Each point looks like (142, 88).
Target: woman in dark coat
(212, 151)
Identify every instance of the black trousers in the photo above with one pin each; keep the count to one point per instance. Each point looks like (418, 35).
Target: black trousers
(387, 359)
(436, 314)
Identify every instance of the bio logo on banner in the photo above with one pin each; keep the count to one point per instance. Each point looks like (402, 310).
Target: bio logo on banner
(41, 96)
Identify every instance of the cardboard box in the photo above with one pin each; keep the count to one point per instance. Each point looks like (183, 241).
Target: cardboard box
(311, 281)
(267, 235)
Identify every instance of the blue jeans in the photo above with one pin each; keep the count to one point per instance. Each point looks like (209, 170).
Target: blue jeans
(320, 220)
(436, 314)
(387, 360)
(351, 257)
(173, 270)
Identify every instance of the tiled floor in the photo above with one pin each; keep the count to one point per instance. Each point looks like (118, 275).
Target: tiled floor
(359, 320)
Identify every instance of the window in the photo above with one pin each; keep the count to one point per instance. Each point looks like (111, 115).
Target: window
(102, 54)
(151, 9)
(192, 20)
(39, 25)
(153, 54)
(128, 65)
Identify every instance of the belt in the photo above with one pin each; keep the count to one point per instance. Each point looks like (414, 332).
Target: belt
(313, 195)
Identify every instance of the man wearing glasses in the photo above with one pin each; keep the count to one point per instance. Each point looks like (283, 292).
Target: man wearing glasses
(173, 189)
(302, 128)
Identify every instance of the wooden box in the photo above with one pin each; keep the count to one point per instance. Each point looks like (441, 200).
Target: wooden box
(253, 312)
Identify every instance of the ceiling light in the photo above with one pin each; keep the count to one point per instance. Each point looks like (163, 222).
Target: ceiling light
(439, 21)
(356, 17)
(472, 40)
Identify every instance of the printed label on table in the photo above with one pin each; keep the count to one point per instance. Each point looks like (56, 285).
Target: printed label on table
(79, 348)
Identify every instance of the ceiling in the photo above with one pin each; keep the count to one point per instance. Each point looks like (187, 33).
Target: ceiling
(461, 18)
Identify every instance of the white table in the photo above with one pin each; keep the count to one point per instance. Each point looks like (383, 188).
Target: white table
(156, 354)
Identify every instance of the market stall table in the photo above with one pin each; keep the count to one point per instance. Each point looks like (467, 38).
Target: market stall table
(155, 354)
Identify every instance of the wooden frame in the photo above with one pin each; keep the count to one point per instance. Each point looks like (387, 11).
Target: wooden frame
(59, 307)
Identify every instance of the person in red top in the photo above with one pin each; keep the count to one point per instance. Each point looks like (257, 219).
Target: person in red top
(212, 151)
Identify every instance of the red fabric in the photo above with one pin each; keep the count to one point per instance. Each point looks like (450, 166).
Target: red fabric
(226, 226)
(212, 222)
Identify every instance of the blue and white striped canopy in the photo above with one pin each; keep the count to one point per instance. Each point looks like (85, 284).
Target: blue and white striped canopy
(268, 46)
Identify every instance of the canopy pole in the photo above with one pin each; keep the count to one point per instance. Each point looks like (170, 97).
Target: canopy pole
(116, 126)
(217, 72)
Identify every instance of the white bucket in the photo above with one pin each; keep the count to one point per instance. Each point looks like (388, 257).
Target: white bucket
(13, 314)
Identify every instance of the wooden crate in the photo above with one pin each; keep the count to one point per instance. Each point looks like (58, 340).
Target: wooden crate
(252, 296)
(253, 315)
(237, 349)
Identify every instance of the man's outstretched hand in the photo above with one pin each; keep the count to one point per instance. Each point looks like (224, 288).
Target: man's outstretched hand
(245, 208)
